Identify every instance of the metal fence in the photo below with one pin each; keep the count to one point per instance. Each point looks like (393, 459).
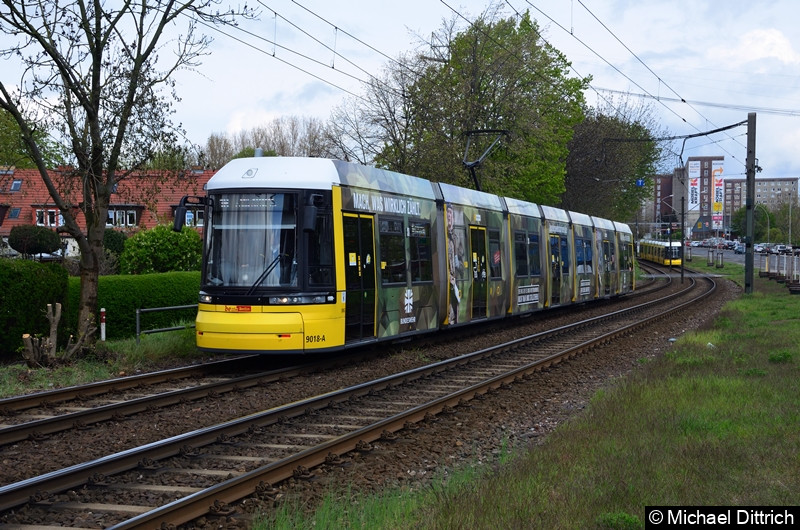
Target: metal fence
(159, 330)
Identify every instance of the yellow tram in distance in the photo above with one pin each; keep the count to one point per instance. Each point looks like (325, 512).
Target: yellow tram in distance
(661, 252)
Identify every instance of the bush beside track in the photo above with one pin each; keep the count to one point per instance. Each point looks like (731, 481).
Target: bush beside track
(29, 286)
(122, 295)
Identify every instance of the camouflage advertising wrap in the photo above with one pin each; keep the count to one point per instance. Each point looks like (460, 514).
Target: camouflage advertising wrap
(405, 226)
(476, 246)
(528, 288)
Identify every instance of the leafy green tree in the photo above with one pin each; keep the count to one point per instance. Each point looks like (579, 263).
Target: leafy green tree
(30, 240)
(247, 152)
(94, 75)
(612, 157)
(161, 249)
(763, 220)
(15, 152)
(786, 219)
(172, 158)
(114, 241)
(497, 74)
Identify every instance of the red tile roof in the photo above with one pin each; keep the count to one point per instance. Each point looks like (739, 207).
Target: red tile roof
(153, 195)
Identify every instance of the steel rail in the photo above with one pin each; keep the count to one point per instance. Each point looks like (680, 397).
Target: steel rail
(38, 399)
(41, 428)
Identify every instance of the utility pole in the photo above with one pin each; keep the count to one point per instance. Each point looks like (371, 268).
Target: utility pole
(750, 167)
(683, 233)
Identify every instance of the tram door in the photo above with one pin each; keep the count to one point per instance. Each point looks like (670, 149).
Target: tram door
(609, 267)
(556, 261)
(479, 272)
(359, 249)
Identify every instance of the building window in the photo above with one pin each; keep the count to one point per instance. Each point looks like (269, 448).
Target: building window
(121, 218)
(49, 218)
(13, 213)
(16, 185)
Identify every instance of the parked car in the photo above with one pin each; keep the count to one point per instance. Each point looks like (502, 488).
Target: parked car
(758, 248)
(738, 248)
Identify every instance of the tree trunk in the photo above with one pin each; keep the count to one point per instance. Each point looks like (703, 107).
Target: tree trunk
(90, 274)
(42, 351)
(54, 317)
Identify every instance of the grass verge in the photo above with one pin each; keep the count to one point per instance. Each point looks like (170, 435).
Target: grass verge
(111, 359)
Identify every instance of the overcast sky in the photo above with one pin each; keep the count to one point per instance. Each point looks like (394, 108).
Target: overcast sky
(724, 58)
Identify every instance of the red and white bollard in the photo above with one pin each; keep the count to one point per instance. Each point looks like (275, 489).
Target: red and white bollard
(103, 324)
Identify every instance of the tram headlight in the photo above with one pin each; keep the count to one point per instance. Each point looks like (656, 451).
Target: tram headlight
(206, 298)
(302, 299)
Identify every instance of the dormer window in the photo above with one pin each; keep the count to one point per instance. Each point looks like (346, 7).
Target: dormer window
(16, 185)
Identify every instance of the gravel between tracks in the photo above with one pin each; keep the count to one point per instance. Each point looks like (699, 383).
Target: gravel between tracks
(515, 417)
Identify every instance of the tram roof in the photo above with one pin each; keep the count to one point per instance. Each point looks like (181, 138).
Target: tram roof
(464, 196)
(581, 219)
(522, 207)
(313, 173)
(551, 213)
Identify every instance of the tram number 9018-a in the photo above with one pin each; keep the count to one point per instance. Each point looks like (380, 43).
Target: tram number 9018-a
(315, 338)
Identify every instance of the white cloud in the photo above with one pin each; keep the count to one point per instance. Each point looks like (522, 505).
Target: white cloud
(756, 45)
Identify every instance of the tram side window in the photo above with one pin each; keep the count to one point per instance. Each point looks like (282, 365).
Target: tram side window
(564, 255)
(534, 259)
(583, 255)
(526, 254)
(521, 253)
(320, 252)
(421, 263)
(393, 251)
(625, 257)
(495, 256)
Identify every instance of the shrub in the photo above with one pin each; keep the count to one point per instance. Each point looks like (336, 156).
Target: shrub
(161, 249)
(122, 295)
(27, 289)
(619, 521)
(31, 239)
(114, 241)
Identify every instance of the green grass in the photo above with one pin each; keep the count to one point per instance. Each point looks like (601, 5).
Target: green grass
(712, 422)
(111, 359)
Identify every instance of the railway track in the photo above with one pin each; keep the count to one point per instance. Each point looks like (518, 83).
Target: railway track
(217, 465)
(35, 416)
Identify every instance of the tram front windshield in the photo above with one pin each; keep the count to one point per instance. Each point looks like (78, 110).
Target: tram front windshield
(251, 241)
(673, 252)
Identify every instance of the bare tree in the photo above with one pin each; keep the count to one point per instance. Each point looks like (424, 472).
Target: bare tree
(284, 136)
(219, 150)
(92, 76)
(613, 155)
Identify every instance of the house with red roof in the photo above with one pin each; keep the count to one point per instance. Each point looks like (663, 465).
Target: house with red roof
(141, 200)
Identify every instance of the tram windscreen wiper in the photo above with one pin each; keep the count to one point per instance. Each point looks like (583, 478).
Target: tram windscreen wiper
(264, 274)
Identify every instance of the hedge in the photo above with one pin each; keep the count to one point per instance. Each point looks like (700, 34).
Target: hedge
(121, 295)
(26, 287)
